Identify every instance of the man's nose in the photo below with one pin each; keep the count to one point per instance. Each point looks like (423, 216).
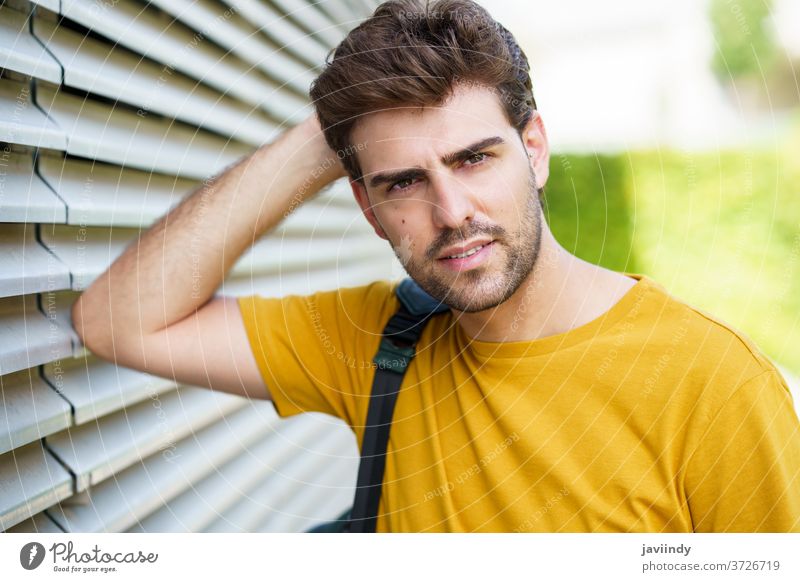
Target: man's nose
(453, 202)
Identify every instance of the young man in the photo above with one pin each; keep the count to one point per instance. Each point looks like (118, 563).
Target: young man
(554, 396)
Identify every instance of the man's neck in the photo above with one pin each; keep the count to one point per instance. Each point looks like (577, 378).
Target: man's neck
(561, 293)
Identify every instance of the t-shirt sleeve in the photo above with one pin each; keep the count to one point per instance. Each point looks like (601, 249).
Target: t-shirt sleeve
(315, 351)
(744, 475)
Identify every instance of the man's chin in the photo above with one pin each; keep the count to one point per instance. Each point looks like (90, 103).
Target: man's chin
(463, 292)
(476, 304)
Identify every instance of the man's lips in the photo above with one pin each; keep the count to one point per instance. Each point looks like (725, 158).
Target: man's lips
(472, 261)
(459, 250)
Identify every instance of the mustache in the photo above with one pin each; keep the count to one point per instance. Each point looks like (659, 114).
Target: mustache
(453, 237)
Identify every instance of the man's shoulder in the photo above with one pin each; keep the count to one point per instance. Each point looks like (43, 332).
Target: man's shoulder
(706, 342)
(367, 306)
(377, 290)
(359, 307)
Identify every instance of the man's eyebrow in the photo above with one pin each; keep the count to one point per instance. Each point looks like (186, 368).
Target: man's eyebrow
(471, 149)
(398, 176)
(447, 160)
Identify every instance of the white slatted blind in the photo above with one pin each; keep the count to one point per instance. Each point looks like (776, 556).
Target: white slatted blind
(110, 113)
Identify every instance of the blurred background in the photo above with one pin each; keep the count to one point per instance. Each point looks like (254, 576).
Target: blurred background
(675, 130)
(675, 139)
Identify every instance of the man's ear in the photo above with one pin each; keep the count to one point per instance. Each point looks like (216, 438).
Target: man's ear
(360, 192)
(534, 137)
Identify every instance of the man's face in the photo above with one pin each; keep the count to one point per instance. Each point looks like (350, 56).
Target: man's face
(431, 207)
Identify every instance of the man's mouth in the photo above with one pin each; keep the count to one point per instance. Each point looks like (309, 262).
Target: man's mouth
(469, 258)
(459, 252)
(472, 251)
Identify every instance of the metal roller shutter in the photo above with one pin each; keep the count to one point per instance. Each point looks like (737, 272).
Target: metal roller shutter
(110, 113)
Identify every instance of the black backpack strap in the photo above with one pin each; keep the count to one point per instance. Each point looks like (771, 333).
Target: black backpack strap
(397, 349)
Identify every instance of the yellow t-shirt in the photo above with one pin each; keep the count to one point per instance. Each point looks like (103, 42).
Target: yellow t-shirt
(654, 417)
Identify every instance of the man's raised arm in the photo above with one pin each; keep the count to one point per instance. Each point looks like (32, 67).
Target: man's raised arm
(153, 310)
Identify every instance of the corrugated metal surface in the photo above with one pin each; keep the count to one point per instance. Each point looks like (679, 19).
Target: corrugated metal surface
(111, 112)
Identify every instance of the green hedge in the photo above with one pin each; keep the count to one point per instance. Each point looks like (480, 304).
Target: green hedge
(720, 230)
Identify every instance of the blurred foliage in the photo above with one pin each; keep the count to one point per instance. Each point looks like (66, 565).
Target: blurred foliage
(590, 213)
(719, 230)
(744, 43)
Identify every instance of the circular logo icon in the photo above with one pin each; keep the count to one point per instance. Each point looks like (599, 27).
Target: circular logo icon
(31, 555)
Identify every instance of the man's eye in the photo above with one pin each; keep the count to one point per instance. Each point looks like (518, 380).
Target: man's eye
(479, 157)
(408, 181)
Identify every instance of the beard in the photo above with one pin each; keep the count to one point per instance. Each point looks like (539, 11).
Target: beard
(489, 284)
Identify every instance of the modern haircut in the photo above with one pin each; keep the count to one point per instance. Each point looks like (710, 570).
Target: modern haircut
(412, 53)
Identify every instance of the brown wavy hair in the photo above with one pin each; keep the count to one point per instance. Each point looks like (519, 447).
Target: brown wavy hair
(413, 53)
